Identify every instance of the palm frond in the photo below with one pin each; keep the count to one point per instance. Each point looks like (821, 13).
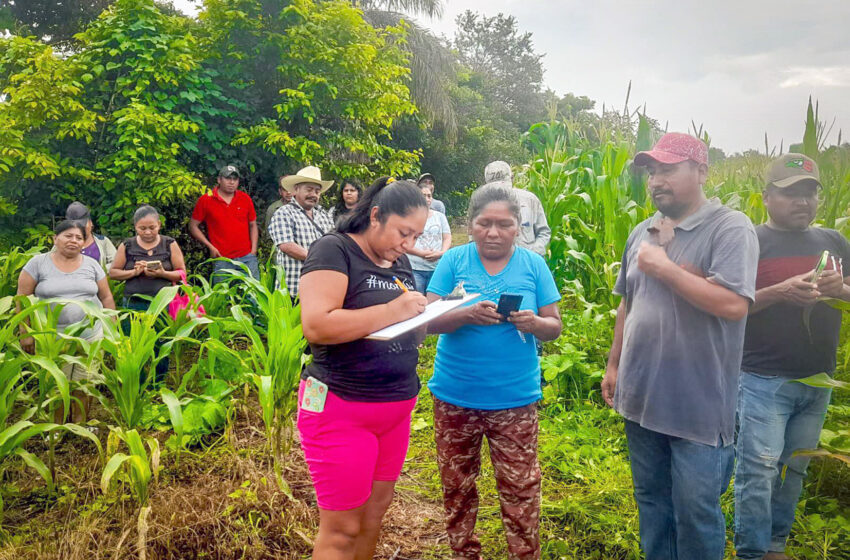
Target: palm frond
(432, 66)
(430, 8)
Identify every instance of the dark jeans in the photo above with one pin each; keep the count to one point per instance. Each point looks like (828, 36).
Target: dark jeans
(678, 484)
(248, 260)
(137, 304)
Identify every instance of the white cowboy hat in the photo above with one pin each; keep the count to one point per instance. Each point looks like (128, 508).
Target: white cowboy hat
(309, 174)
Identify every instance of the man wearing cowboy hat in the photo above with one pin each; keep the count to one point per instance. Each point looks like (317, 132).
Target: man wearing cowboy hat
(231, 223)
(295, 226)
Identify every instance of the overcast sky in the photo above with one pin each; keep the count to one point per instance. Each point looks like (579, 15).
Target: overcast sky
(740, 68)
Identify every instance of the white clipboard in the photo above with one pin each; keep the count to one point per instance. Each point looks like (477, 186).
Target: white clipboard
(432, 311)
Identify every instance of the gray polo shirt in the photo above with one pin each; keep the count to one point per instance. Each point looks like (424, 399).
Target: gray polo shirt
(679, 367)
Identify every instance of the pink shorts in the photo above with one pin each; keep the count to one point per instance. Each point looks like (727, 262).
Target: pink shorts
(351, 444)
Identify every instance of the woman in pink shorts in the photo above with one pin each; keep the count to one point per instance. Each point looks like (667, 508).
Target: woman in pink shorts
(357, 396)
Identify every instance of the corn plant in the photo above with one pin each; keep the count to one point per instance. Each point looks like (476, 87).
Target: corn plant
(53, 351)
(13, 438)
(129, 373)
(138, 467)
(11, 264)
(587, 192)
(14, 379)
(275, 355)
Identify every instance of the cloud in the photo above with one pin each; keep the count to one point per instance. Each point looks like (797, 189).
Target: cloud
(826, 76)
(740, 67)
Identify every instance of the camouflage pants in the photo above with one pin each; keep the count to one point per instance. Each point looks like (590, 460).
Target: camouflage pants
(512, 436)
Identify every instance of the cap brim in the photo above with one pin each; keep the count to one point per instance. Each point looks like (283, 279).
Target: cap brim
(643, 158)
(288, 183)
(423, 177)
(790, 181)
(230, 176)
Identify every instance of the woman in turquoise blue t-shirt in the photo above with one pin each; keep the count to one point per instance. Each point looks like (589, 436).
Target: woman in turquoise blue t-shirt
(487, 375)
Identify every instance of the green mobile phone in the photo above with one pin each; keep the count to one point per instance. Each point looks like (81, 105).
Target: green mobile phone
(824, 258)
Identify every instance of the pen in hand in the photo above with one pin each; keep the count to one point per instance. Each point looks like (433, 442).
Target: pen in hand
(400, 284)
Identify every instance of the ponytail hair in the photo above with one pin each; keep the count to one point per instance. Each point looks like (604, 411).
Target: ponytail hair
(389, 197)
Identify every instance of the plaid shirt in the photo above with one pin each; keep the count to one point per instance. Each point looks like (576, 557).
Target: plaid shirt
(290, 224)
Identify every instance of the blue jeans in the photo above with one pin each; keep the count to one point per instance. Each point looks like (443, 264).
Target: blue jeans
(421, 279)
(775, 418)
(248, 260)
(678, 484)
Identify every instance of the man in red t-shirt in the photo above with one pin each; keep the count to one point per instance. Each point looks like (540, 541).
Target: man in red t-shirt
(231, 224)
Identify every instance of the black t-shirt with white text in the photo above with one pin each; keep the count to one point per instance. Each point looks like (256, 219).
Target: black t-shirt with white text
(777, 341)
(364, 370)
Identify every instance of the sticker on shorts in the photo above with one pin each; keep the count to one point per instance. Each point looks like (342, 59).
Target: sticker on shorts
(315, 394)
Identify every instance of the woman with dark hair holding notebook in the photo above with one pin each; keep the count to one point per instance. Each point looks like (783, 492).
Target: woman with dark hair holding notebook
(357, 396)
(486, 379)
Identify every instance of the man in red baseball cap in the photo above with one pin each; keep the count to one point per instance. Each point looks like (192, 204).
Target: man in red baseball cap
(687, 279)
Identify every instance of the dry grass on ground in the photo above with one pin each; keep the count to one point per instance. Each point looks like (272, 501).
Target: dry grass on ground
(219, 503)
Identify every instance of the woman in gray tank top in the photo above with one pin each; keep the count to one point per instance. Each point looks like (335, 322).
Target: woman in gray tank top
(68, 274)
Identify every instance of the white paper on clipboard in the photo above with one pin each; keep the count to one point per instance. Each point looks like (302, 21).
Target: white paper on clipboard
(432, 311)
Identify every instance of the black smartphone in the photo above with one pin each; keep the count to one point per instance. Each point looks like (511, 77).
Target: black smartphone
(508, 303)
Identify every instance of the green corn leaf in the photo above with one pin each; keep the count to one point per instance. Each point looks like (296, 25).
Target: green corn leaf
(175, 412)
(821, 453)
(112, 466)
(36, 464)
(78, 430)
(59, 377)
(822, 380)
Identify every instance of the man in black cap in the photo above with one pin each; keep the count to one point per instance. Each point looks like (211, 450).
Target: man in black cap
(231, 223)
(96, 246)
(427, 180)
(791, 334)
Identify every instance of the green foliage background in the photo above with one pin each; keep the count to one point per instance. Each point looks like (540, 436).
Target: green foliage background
(146, 106)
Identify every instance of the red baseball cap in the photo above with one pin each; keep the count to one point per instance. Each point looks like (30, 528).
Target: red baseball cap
(675, 147)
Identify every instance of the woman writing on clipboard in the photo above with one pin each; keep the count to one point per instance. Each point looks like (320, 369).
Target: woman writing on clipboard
(357, 396)
(487, 375)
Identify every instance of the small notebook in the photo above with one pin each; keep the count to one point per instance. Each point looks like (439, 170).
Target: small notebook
(432, 311)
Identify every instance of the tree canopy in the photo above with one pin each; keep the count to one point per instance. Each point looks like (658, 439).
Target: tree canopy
(122, 102)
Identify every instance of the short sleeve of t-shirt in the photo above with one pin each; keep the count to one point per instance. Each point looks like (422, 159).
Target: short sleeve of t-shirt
(621, 286)
(252, 212)
(734, 257)
(99, 273)
(444, 224)
(547, 290)
(32, 267)
(328, 253)
(200, 211)
(844, 252)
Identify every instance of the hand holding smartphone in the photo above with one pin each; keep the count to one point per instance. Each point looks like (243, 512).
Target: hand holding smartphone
(824, 258)
(508, 303)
